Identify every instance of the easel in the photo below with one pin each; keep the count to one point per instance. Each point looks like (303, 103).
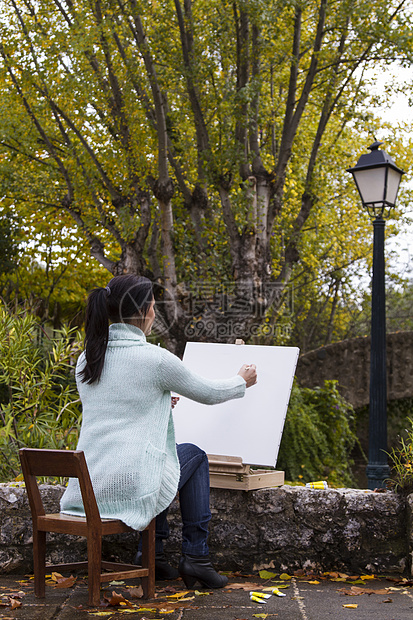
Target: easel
(229, 472)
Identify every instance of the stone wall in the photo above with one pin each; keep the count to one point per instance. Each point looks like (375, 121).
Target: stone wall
(348, 362)
(285, 528)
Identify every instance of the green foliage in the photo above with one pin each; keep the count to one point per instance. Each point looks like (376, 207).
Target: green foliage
(318, 436)
(402, 463)
(40, 407)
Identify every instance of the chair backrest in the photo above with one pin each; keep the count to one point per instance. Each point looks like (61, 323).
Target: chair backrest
(57, 463)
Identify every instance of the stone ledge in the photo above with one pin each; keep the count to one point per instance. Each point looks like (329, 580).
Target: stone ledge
(286, 528)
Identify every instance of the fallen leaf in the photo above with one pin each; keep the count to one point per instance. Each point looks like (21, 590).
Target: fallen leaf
(58, 581)
(18, 594)
(166, 590)
(285, 576)
(15, 604)
(265, 574)
(355, 591)
(388, 600)
(135, 610)
(67, 582)
(117, 599)
(313, 583)
(167, 605)
(352, 606)
(365, 577)
(178, 594)
(242, 586)
(198, 593)
(100, 613)
(404, 582)
(116, 583)
(136, 592)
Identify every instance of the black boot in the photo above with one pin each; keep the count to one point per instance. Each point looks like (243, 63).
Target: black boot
(193, 568)
(163, 570)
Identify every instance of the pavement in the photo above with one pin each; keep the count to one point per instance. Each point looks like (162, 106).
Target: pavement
(307, 597)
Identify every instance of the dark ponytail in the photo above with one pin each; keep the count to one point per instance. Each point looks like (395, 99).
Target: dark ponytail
(124, 298)
(97, 334)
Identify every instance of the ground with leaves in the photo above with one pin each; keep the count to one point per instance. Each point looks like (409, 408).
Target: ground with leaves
(298, 596)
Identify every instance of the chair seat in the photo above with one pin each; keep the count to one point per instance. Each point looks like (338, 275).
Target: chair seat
(70, 524)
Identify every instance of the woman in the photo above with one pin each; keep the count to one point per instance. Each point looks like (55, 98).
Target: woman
(127, 431)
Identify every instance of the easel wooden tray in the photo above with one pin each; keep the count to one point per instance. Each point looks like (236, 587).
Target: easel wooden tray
(229, 472)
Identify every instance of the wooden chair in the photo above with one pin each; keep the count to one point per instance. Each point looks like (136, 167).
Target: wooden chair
(72, 463)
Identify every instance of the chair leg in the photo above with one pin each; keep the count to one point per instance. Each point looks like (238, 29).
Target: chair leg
(39, 562)
(148, 560)
(94, 554)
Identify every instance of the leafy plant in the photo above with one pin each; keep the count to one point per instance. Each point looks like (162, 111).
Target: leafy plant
(402, 463)
(40, 407)
(318, 436)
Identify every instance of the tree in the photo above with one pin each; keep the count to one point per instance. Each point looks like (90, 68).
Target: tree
(195, 142)
(8, 245)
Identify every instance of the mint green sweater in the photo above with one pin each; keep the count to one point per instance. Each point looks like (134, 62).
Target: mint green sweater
(127, 431)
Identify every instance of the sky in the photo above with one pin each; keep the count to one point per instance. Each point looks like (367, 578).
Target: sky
(399, 110)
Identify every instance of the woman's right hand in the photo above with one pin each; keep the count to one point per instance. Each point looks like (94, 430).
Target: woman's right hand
(249, 373)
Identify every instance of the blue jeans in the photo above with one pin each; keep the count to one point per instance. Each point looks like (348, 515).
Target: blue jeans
(194, 502)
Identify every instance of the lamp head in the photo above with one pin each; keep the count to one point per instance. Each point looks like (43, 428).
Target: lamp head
(377, 179)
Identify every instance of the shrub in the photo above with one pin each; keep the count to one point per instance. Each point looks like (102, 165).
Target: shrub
(401, 458)
(318, 436)
(39, 406)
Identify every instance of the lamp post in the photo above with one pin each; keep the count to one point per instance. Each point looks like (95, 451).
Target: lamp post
(377, 179)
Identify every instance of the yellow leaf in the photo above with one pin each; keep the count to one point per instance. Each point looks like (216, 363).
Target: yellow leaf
(198, 593)
(178, 594)
(100, 613)
(364, 577)
(285, 576)
(351, 606)
(314, 583)
(265, 574)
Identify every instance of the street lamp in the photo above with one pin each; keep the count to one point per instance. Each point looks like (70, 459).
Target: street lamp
(377, 178)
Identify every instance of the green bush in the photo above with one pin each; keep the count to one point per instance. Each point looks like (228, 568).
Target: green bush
(39, 405)
(401, 461)
(318, 436)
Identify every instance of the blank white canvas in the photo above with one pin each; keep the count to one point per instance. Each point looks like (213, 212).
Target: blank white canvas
(249, 427)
